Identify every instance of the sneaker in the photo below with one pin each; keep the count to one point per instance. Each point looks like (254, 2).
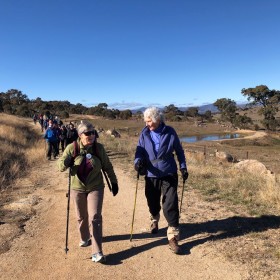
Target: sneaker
(174, 247)
(154, 227)
(85, 243)
(98, 258)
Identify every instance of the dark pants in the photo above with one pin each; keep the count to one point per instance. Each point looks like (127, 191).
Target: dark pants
(167, 188)
(52, 149)
(63, 144)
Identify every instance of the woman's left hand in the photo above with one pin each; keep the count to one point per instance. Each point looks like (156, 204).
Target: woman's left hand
(115, 188)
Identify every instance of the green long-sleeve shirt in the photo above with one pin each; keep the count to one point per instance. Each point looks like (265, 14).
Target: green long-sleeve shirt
(99, 160)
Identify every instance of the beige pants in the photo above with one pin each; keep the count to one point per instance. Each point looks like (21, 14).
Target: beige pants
(88, 207)
(171, 231)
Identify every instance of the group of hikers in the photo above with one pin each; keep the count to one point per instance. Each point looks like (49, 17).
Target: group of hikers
(56, 134)
(154, 159)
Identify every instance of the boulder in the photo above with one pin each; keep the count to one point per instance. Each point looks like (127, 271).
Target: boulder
(253, 166)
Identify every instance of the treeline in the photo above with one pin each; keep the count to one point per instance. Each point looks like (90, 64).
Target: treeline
(16, 103)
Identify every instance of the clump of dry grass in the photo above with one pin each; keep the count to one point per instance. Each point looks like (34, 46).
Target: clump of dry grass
(258, 193)
(20, 149)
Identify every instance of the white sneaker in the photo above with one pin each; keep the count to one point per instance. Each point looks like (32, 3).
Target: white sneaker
(84, 243)
(99, 257)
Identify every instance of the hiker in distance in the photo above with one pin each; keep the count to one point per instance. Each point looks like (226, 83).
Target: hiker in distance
(154, 158)
(87, 160)
(51, 135)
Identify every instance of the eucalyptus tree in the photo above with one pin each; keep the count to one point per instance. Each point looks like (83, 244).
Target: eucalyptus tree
(269, 101)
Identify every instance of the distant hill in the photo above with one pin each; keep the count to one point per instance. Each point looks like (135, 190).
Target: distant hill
(201, 109)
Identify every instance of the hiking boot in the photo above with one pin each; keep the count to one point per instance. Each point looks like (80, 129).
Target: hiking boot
(85, 243)
(154, 227)
(173, 246)
(98, 258)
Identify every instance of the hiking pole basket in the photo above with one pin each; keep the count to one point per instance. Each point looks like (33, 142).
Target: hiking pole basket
(68, 208)
(134, 206)
(183, 188)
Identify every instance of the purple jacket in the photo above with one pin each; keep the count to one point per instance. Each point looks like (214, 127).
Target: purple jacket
(164, 163)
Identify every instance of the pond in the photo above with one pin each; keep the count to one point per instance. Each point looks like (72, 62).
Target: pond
(209, 137)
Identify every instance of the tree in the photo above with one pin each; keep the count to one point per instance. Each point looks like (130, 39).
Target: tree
(64, 114)
(242, 121)
(228, 109)
(171, 112)
(208, 115)
(102, 105)
(125, 115)
(191, 112)
(269, 101)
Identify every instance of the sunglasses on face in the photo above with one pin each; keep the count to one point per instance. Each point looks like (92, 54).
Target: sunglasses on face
(88, 133)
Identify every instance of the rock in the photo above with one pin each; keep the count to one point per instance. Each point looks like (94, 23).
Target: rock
(253, 166)
(224, 156)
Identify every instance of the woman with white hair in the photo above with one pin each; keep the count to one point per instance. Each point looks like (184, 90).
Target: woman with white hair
(87, 159)
(154, 158)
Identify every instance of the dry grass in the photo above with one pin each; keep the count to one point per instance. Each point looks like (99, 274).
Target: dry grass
(20, 149)
(258, 194)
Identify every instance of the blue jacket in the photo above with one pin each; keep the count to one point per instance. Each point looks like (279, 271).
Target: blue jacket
(162, 164)
(51, 135)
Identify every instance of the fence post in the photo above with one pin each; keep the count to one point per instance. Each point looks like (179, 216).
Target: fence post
(247, 155)
(204, 152)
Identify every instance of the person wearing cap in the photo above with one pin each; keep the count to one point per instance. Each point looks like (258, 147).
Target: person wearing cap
(154, 158)
(87, 159)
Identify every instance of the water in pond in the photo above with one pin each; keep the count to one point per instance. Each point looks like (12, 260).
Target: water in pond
(209, 137)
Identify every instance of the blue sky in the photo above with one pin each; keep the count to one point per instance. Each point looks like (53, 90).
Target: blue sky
(133, 53)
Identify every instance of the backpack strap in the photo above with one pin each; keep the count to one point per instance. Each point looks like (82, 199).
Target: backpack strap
(76, 149)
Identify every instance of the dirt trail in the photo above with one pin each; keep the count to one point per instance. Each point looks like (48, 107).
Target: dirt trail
(39, 252)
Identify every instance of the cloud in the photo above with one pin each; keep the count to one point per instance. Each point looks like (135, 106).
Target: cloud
(125, 105)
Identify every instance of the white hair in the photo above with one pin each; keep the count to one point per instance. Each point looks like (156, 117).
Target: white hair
(154, 114)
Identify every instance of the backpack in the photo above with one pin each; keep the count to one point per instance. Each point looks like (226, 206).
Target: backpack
(77, 152)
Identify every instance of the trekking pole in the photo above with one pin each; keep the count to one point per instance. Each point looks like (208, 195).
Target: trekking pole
(183, 188)
(68, 208)
(107, 180)
(134, 206)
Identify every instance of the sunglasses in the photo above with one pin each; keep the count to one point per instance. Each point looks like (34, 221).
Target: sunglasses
(88, 133)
